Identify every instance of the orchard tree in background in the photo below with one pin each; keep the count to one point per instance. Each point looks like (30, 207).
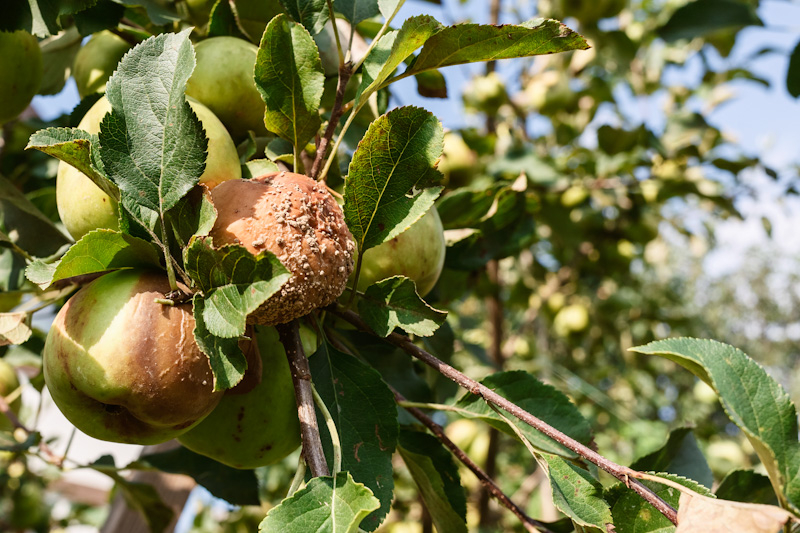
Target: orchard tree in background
(238, 224)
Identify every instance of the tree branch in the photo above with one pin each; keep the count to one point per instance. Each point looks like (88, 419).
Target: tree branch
(620, 472)
(345, 72)
(301, 377)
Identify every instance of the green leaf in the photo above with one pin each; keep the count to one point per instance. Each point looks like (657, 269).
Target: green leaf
(470, 43)
(104, 15)
(541, 400)
(326, 504)
(234, 281)
(98, 251)
(144, 498)
(436, 475)
(397, 155)
(703, 17)
(224, 22)
(751, 398)
(225, 357)
(58, 54)
(11, 444)
(257, 167)
(45, 14)
(15, 328)
(363, 408)
(194, 215)
(793, 74)
(431, 84)
(237, 487)
(312, 14)
(356, 10)
(394, 302)
(681, 456)
(576, 493)
(159, 12)
(391, 50)
(747, 486)
(289, 76)
(77, 148)
(152, 143)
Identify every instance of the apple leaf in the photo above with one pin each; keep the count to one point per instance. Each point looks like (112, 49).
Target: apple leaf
(391, 50)
(257, 167)
(15, 328)
(576, 493)
(312, 14)
(710, 515)
(9, 444)
(436, 475)
(237, 487)
(58, 55)
(98, 251)
(752, 399)
(104, 15)
(470, 43)
(234, 281)
(225, 357)
(398, 154)
(356, 10)
(42, 17)
(325, 504)
(144, 498)
(152, 144)
(77, 148)
(431, 84)
(194, 215)
(394, 302)
(289, 76)
(746, 486)
(793, 73)
(541, 400)
(681, 456)
(365, 414)
(699, 18)
(223, 21)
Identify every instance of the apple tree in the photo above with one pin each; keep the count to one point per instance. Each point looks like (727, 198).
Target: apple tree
(251, 248)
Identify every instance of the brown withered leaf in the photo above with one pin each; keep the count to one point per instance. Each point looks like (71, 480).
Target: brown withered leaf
(700, 514)
(15, 328)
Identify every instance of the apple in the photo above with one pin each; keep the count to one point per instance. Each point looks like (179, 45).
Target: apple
(458, 162)
(297, 219)
(253, 15)
(124, 368)
(485, 94)
(21, 65)
(223, 81)
(417, 253)
(259, 427)
(8, 384)
(83, 206)
(96, 61)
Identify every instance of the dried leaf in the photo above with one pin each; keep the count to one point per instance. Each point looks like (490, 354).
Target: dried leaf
(698, 514)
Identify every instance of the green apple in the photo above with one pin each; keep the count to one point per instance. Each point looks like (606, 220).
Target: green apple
(124, 368)
(8, 384)
(21, 67)
(223, 81)
(83, 206)
(458, 162)
(485, 94)
(259, 427)
(417, 253)
(96, 61)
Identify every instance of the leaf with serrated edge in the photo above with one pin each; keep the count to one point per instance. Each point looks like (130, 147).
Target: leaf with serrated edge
(289, 76)
(679, 455)
(397, 155)
(77, 148)
(751, 398)
(325, 504)
(313, 14)
(576, 493)
(469, 43)
(152, 143)
(15, 328)
(394, 302)
(363, 408)
(436, 475)
(98, 251)
(540, 400)
(225, 357)
(392, 49)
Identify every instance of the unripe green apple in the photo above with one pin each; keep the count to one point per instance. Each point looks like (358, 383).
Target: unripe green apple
(21, 68)
(458, 162)
(223, 81)
(84, 207)
(417, 253)
(8, 384)
(96, 61)
(485, 94)
(259, 427)
(124, 368)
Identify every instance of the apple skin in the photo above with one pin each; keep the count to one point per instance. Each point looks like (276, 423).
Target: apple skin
(21, 65)
(96, 61)
(8, 384)
(124, 368)
(223, 81)
(259, 427)
(417, 253)
(458, 163)
(84, 207)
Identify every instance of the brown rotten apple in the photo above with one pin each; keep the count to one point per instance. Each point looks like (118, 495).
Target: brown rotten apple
(297, 219)
(124, 368)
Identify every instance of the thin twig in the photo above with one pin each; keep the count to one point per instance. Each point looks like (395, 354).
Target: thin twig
(299, 476)
(345, 72)
(301, 377)
(620, 472)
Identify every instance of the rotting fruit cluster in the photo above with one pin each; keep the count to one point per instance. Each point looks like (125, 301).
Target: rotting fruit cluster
(123, 367)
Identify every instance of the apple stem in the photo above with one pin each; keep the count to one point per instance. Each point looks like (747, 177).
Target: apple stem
(303, 392)
(336, 33)
(620, 472)
(299, 477)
